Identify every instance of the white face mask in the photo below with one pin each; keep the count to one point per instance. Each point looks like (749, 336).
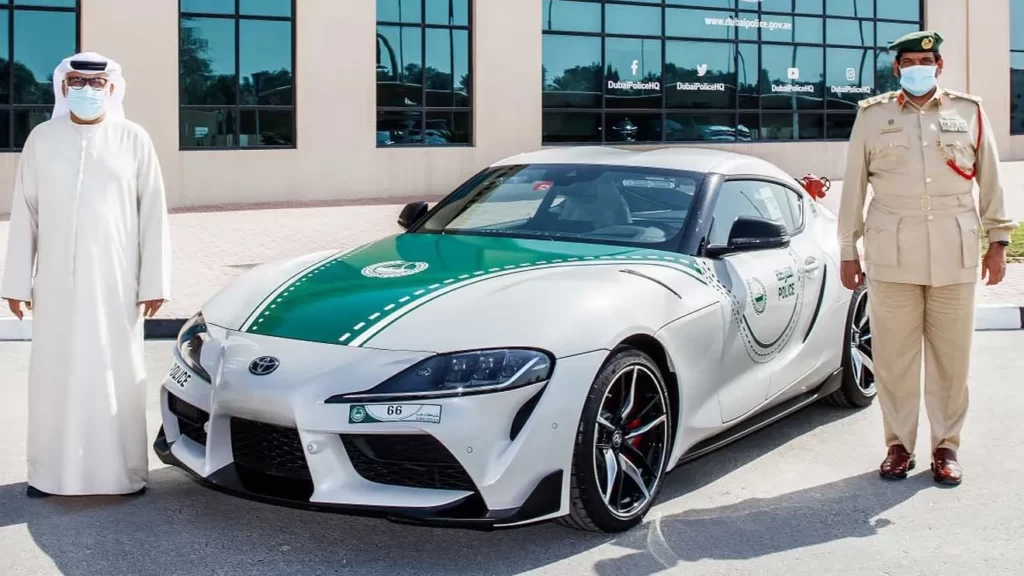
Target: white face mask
(87, 103)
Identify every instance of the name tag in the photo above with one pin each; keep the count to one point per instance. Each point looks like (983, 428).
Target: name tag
(953, 124)
(891, 130)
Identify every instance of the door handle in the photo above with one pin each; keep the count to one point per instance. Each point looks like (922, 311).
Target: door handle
(811, 265)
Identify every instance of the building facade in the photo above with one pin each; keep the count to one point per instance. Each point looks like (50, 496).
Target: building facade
(252, 101)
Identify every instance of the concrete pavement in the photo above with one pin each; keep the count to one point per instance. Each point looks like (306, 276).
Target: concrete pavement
(799, 498)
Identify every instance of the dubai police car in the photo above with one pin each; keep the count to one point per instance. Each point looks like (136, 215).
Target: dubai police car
(545, 343)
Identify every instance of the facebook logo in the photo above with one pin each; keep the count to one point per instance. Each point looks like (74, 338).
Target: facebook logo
(634, 66)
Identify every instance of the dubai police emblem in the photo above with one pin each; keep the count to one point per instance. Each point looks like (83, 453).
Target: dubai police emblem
(758, 295)
(393, 269)
(927, 43)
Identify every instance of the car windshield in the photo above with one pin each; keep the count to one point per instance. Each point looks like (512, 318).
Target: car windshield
(590, 203)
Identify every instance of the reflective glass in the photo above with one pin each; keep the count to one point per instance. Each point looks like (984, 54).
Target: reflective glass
(407, 11)
(794, 77)
(282, 8)
(571, 127)
(41, 41)
(633, 20)
(791, 126)
(852, 8)
(1016, 25)
(707, 3)
(207, 128)
(889, 32)
(700, 24)
(571, 16)
(445, 128)
(749, 126)
(5, 129)
(207, 61)
(841, 32)
(633, 73)
(850, 77)
(399, 66)
(448, 12)
(399, 128)
(447, 62)
(24, 122)
(908, 10)
(265, 62)
(571, 72)
(706, 126)
(208, 6)
(5, 56)
(700, 75)
(1016, 92)
(634, 127)
(800, 29)
(885, 78)
(789, 6)
(748, 76)
(839, 126)
(266, 128)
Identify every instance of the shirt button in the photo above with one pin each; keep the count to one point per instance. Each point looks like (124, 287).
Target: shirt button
(925, 144)
(928, 180)
(930, 217)
(922, 112)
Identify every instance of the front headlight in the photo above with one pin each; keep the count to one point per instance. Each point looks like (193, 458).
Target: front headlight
(461, 374)
(190, 344)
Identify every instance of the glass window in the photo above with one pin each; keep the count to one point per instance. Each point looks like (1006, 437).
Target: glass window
(591, 203)
(645, 71)
(754, 199)
(1016, 68)
(236, 74)
(33, 41)
(424, 71)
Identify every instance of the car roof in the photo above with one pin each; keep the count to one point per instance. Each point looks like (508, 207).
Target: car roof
(702, 160)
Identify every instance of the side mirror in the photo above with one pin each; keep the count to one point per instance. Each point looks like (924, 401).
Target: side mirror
(412, 212)
(751, 234)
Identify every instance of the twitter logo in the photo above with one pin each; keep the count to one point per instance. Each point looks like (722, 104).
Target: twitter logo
(702, 69)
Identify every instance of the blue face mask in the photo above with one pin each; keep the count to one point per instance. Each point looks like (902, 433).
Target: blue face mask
(918, 80)
(87, 104)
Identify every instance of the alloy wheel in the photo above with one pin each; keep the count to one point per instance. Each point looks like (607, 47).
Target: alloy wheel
(860, 345)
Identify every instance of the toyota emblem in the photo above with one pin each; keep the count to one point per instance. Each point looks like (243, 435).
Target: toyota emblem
(264, 365)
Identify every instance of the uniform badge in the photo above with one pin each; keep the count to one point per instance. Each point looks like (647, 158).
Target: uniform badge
(953, 124)
(892, 129)
(927, 43)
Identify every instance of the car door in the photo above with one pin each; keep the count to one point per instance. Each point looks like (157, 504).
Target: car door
(796, 359)
(763, 296)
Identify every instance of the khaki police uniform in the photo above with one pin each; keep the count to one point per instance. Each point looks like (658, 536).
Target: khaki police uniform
(922, 254)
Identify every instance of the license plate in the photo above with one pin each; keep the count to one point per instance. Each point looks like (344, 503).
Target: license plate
(370, 413)
(179, 375)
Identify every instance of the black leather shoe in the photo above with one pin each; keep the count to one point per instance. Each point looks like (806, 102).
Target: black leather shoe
(33, 492)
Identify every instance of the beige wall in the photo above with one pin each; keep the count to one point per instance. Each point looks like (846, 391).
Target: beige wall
(337, 157)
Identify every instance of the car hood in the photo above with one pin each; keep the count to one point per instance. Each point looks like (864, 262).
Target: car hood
(427, 291)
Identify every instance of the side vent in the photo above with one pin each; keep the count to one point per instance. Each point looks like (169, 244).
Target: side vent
(524, 413)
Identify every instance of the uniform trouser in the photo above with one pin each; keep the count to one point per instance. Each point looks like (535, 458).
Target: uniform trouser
(902, 316)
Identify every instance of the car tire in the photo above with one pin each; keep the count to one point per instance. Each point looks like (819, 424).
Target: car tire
(644, 436)
(858, 385)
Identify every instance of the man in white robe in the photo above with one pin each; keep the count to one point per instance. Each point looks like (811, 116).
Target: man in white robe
(89, 254)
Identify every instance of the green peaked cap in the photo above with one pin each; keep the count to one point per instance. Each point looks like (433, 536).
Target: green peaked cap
(923, 41)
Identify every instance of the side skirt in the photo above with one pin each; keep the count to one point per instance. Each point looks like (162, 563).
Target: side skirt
(763, 419)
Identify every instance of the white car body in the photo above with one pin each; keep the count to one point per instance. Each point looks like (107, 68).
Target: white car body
(742, 344)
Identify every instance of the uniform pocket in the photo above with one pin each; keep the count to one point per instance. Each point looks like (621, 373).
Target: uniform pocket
(970, 242)
(958, 147)
(881, 239)
(890, 153)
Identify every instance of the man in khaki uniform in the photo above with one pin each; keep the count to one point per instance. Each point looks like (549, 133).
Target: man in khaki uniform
(921, 149)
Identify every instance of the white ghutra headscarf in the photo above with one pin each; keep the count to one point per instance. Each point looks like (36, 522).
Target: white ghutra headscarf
(89, 63)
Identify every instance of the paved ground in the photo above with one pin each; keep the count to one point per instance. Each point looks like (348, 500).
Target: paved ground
(800, 498)
(213, 247)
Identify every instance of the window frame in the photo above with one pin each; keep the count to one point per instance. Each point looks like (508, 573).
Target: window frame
(1015, 52)
(10, 107)
(423, 109)
(757, 178)
(236, 16)
(602, 112)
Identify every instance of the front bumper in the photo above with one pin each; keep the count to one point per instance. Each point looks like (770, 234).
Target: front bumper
(493, 460)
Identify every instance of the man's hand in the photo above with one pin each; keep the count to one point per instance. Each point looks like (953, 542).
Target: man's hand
(994, 265)
(151, 307)
(15, 306)
(851, 274)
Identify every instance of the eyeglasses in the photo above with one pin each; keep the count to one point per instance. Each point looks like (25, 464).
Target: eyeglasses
(79, 83)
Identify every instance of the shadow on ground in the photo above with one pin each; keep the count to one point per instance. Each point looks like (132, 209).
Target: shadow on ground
(181, 528)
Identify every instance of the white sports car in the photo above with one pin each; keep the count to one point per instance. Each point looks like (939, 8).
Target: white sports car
(545, 343)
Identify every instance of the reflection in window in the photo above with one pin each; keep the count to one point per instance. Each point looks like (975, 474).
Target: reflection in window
(34, 37)
(697, 70)
(1016, 68)
(236, 83)
(424, 75)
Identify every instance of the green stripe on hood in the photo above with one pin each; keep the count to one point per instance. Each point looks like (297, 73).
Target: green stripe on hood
(346, 298)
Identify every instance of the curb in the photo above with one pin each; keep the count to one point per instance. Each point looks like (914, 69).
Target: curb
(987, 317)
(14, 330)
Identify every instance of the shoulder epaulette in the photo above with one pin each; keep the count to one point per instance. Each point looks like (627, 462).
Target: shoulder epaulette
(964, 95)
(876, 99)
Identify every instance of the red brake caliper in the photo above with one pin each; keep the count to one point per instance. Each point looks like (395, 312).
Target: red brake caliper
(633, 426)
